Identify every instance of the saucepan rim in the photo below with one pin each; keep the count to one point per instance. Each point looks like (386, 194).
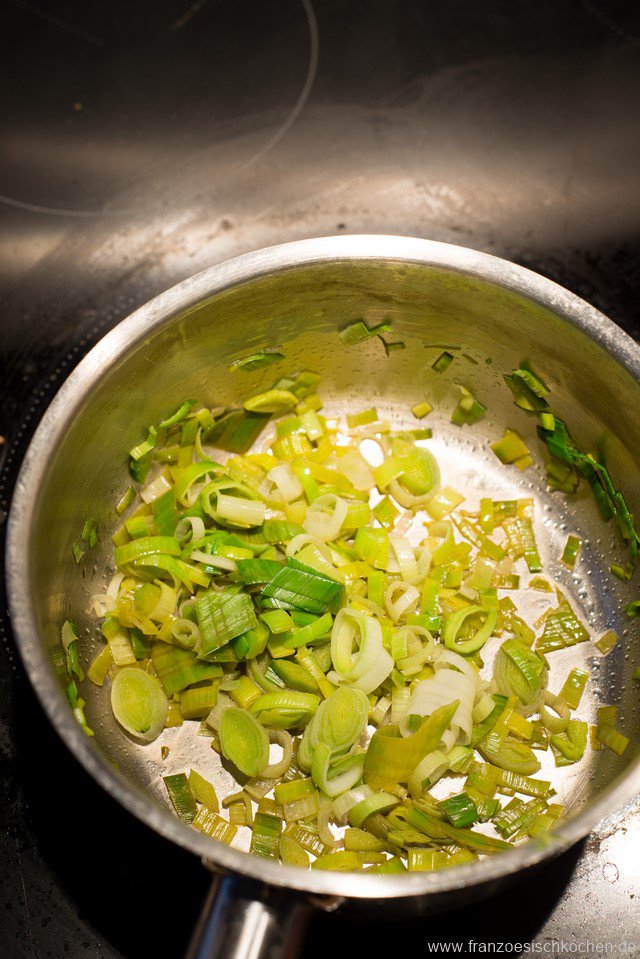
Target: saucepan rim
(147, 320)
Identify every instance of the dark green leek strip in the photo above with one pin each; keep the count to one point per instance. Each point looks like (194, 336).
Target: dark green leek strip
(304, 588)
(140, 643)
(90, 532)
(435, 829)
(178, 416)
(139, 468)
(460, 809)
(78, 704)
(254, 571)
(236, 432)
(625, 573)
(181, 797)
(165, 515)
(611, 501)
(528, 391)
(257, 361)
(518, 815)
(571, 550)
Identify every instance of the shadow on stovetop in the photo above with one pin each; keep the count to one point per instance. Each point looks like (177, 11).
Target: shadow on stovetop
(142, 894)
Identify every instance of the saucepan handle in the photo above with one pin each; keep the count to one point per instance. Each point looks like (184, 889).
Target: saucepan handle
(245, 920)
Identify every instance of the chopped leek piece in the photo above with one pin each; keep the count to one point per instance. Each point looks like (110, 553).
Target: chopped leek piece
(391, 758)
(358, 332)
(90, 532)
(139, 703)
(520, 672)
(606, 642)
(265, 836)
(611, 738)
(561, 629)
(273, 401)
(69, 640)
(222, 617)
(568, 747)
(571, 692)
(285, 710)
(77, 705)
(178, 416)
(182, 799)
(243, 741)
(457, 637)
(625, 573)
(420, 410)
(512, 449)
(468, 410)
(100, 666)
(214, 826)
(392, 347)
(443, 362)
(196, 703)
(292, 853)
(125, 500)
(540, 583)
(436, 829)
(237, 431)
(203, 791)
(571, 551)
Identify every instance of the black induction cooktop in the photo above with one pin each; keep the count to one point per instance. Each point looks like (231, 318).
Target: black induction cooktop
(143, 142)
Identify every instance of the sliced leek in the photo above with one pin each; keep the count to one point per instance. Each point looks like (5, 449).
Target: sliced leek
(321, 607)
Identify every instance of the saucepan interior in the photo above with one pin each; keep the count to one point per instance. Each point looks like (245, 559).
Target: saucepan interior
(490, 315)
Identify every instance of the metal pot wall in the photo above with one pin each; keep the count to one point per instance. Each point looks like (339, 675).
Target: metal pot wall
(297, 296)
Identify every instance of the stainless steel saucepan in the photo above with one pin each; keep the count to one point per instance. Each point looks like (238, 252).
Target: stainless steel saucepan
(491, 315)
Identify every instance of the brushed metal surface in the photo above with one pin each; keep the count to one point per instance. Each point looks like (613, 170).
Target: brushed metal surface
(297, 296)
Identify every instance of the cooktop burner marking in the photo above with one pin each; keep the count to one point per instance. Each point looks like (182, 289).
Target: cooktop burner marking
(277, 136)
